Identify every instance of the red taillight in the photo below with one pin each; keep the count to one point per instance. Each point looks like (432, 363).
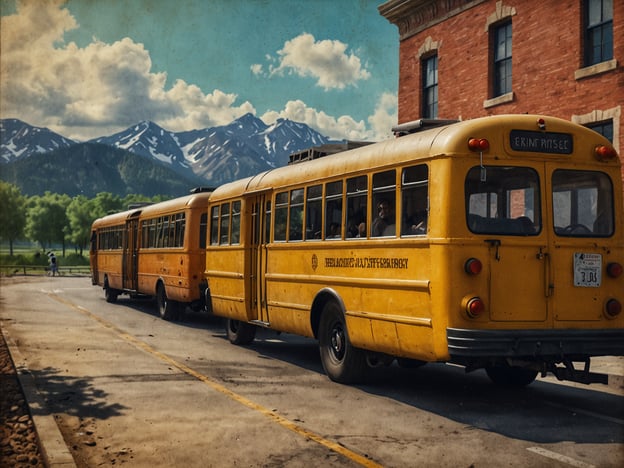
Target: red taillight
(614, 269)
(473, 266)
(474, 307)
(541, 123)
(478, 144)
(605, 153)
(613, 308)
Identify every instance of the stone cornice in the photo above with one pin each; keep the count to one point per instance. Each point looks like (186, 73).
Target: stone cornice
(413, 16)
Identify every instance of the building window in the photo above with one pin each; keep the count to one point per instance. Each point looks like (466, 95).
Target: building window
(604, 128)
(502, 59)
(598, 31)
(430, 87)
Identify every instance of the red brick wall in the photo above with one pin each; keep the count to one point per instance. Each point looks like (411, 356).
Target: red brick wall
(547, 40)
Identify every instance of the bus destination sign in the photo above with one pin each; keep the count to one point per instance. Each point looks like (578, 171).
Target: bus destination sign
(541, 142)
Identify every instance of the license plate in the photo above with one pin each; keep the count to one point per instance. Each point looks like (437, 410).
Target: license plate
(587, 270)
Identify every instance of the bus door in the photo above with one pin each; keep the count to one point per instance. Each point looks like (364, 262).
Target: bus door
(503, 208)
(582, 206)
(130, 253)
(260, 223)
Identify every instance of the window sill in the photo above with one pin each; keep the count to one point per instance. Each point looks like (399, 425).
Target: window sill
(595, 69)
(509, 97)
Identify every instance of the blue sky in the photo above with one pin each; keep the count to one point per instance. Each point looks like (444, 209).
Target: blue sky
(87, 68)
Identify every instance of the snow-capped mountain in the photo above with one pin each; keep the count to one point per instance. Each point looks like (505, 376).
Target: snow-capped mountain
(20, 140)
(220, 154)
(149, 140)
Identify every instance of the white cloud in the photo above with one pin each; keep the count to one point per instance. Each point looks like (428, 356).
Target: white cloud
(96, 90)
(385, 116)
(344, 126)
(256, 69)
(325, 60)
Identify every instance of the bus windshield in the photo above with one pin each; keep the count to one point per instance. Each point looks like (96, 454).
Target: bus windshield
(503, 200)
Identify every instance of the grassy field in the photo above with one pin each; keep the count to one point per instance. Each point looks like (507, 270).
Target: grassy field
(30, 259)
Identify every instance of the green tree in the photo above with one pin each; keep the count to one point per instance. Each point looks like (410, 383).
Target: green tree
(12, 213)
(46, 220)
(81, 213)
(105, 203)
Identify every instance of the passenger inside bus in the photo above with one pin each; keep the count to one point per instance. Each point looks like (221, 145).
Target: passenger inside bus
(384, 224)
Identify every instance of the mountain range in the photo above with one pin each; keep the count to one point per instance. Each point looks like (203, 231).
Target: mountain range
(146, 157)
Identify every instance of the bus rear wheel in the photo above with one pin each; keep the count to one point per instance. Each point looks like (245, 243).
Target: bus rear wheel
(240, 333)
(343, 363)
(167, 309)
(509, 376)
(110, 294)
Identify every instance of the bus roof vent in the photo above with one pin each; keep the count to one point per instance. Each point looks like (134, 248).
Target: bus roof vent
(420, 125)
(316, 152)
(137, 205)
(201, 189)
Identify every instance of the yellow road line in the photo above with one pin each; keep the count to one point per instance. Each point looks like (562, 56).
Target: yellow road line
(272, 415)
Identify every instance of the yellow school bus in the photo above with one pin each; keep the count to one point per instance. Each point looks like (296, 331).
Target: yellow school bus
(156, 250)
(493, 243)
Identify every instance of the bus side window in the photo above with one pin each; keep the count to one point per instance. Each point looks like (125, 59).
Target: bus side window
(203, 227)
(236, 209)
(295, 228)
(357, 193)
(333, 208)
(384, 204)
(281, 216)
(313, 212)
(414, 200)
(267, 223)
(225, 224)
(214, 225)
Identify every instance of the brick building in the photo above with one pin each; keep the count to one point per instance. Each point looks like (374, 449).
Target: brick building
(461, 59)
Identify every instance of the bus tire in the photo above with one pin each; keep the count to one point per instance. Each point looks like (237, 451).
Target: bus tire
(508, 376)
(167, 309)
(343, 363)
(110, 294)
(240, 333)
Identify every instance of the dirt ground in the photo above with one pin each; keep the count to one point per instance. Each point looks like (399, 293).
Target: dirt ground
(19, 443)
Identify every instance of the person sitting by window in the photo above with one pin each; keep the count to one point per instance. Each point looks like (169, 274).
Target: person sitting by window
(384, 224)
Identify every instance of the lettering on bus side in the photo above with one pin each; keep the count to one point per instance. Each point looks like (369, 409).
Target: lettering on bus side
(541, 142)
(396, 263)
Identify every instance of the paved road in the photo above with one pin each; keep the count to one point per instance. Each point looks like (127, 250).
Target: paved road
(126, 388)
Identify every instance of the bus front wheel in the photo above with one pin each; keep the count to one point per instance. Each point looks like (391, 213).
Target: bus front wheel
(343, 363)
(240, 333)
(167, 309)
(509, 376)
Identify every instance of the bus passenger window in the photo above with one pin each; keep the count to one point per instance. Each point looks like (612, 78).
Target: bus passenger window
(180, 225)
(281, 216)
(313, 212)
(203, 226)
(507, 202)
(236, 209)
(357, 192)
(225, 224)
(582, 203)
(295, 228)
(214, 225)
(267, 223)
(414, 200)
(384, 204)
(333, 208)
